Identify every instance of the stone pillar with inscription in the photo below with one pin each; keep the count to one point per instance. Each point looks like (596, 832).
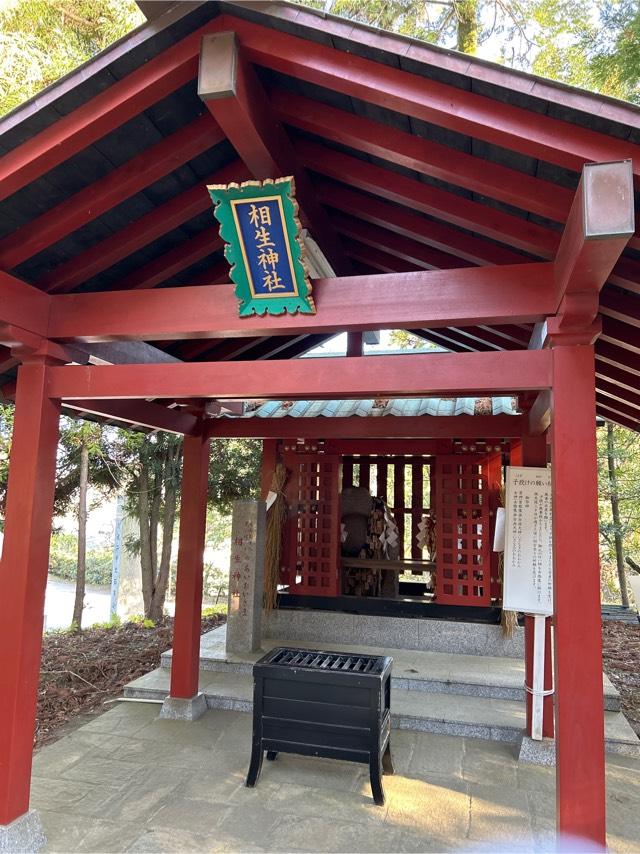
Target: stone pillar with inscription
(246, 576)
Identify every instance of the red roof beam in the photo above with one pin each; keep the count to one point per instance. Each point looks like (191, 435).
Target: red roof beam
(140, 413)
(355, 427)
(425, 156)
(23, 305)
(437, 374)
(214, 275)
(600, 223)
(617, 375)
(622, 334)
(190, 351)
(232, 348)
(378, 260)
(619, 414)
(174, 261)
(297, 347)
(539, 415)
(487, 336)
(438, 338)
(403, 221)
(123, 100)
(479, 116)
(619, 358)
(433, 201)
(452, 336)
(121, 183)
(620, 306)
(425, 257)
(232, 92)
(164, 218)
(614, 391)
(448, 207)
(434, 298)
(514, 334)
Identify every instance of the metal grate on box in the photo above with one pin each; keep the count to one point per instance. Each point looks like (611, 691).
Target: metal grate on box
(314, 660)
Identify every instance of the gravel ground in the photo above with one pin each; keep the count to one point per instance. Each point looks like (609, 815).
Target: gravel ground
(621, 657)
(80, 671)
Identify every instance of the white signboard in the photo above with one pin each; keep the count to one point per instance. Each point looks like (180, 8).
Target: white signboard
(528, 544)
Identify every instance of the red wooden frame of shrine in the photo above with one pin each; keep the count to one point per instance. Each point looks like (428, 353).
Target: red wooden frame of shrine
(47, 331)
(396, 467)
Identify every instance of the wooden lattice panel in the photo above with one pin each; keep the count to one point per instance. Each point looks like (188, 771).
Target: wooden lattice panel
(463, 565)
(314, 528)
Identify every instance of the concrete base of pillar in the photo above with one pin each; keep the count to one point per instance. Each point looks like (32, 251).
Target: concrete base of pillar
(23, 834)
(537, 752)
(179, 709)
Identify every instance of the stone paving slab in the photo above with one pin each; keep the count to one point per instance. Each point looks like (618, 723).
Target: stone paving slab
(448, 794)
(436, 672)
(453, 714)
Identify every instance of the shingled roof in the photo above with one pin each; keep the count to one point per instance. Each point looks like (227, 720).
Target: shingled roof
(421, 158)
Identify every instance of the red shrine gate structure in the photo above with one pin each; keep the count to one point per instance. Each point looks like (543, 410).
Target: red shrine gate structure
(489, 211)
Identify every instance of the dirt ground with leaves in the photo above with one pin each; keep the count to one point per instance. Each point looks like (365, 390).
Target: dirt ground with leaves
(80, 671)
(621, 656)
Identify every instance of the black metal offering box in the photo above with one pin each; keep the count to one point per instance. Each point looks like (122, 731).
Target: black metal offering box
(329, 704)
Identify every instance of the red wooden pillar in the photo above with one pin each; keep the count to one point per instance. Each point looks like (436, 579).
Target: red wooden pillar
(193, 517)
(268, 466)
(580, 768)
(534, 453)
(23, 580)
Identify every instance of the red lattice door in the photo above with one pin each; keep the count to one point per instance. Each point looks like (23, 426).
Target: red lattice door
(463, 557)
(314, 525)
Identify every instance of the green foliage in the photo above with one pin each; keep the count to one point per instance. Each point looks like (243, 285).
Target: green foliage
(405, 340)
(215, 610)
(460, 24)
(6, 432)
(234, 471)
(627, 473)
(63, 560)
(74, 433)
(41, 40)
(141, 620)
(594, 45)
(113, 623)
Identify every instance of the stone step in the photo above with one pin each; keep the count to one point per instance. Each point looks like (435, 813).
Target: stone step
(492, 677)
(473, 716)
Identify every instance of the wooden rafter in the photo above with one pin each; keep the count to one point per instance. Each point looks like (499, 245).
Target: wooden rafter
(104, 194)
(164, 218)
(425, 156)
(233, 94)
(401, 220)
(400, 246)
(433, 201)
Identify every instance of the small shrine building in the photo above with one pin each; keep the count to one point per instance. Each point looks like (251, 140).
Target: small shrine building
(488, 211)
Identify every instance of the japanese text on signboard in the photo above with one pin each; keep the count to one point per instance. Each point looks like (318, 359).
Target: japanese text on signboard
(259, 225)
(264, 246)
(528, 554)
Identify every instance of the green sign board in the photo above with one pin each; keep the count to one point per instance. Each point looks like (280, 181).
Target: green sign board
(259, 225)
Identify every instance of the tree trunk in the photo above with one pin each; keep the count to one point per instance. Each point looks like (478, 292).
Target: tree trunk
(145, 536)
(168, 522)
(154, 518)
(634, 566)
(82, 537)
(615, 511)
(467, 15)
